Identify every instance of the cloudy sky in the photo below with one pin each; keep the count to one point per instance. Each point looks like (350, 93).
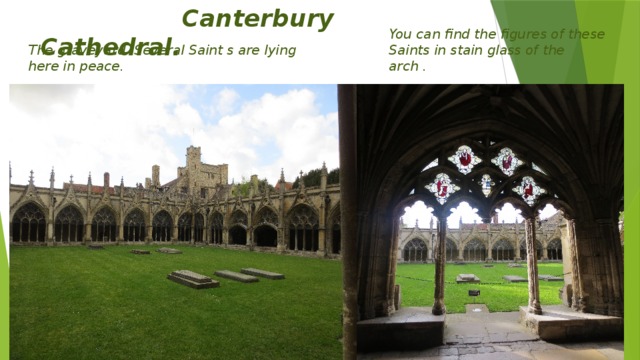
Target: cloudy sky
(125, 129)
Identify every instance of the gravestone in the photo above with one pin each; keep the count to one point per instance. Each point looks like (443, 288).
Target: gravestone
(467, 278)
(169, 251)
(262, 273)
(550, 278)
(515, 265)
(232, 275)
(514, 278)
(192, 279)
(95, 247)
(140, 252)
(488, 265)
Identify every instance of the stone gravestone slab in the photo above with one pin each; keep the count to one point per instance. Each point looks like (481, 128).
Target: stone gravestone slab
(467, 278)
(262, 273)
(140, 252)
(488, 265)
(236, 276)
(192, 279)
(95, 247)
(169, 251)
(514, 278)
(515, 265)
(550, 278)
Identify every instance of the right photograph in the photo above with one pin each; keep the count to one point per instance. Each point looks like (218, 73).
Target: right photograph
(458, 201)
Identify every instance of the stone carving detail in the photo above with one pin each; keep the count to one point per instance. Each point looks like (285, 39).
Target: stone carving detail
(303, 217)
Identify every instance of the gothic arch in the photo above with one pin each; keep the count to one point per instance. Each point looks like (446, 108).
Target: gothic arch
(104, 225)
(451, 251)
(303, 228)
(185, 227)
(134, 226)
(523, 249)
(162, 226)
(217, 227)
(415, 250)
(475, 250)
(554, 249)
(238, 223)
(29, 223)
(267, 215)
(503, 250)
(69, 225)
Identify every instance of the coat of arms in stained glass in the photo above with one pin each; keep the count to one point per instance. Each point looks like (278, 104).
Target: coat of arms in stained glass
(487, 183)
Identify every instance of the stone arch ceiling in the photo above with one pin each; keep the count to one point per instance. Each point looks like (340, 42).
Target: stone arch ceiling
(574, 132)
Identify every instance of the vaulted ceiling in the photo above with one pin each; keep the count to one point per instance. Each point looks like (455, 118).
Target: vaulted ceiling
(573, 132)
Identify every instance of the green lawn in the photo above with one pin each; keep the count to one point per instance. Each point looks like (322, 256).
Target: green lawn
(75, 303)
(417, 286)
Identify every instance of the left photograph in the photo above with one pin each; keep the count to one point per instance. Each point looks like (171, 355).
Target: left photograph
(117, 189)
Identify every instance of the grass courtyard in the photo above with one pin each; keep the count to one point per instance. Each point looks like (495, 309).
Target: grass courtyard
(75, 303)
(417, 286)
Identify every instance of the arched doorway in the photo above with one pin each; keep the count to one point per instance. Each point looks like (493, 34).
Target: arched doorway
(265, 232)
(29, 224)
(238, 228)
(266, 236)
(237, 235)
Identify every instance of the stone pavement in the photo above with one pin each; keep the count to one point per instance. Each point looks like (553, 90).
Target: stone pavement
(479, 335)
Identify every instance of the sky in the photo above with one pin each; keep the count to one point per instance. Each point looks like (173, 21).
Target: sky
(125, 129)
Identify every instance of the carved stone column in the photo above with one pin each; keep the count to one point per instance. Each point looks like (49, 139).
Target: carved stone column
(577, 300)
(532, 267)
(438, 302)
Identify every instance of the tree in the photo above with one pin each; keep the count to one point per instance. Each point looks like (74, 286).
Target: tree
(313, 177)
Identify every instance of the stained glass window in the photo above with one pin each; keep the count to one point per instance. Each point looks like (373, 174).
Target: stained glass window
(507, 161)
(529, 190)
(442, 187)
(465, 159)
(487, 183)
